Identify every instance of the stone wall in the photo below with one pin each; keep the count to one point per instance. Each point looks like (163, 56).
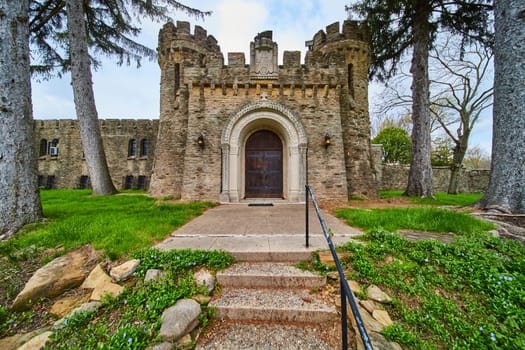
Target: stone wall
(395, 176)
(67, 169)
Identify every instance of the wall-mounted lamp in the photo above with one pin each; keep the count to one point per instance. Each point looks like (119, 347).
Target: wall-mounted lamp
(200, 141)
(327, 140)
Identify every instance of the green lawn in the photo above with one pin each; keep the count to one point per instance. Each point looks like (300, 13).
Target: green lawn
(119, 225)
(441, 198)
(414, 218)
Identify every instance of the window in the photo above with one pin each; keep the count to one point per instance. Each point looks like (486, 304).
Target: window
(142, 183)
(52, 148)
(50, 182)
(41, 181)
(84, 182)
(43, 147)
(128, 182)
(132, 148)
(144, 147)
(351, 79)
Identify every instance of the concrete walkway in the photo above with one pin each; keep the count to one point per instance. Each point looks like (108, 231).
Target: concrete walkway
(258, 233)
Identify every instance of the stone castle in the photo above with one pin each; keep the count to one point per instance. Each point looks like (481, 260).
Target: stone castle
(243, 130)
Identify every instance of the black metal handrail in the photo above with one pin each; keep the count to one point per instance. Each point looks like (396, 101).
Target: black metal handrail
(346, 292)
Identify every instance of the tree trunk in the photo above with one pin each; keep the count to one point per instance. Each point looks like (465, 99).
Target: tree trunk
(457, 161)
(85, 101)
(19, 196)
(420, 173)
(506, 192)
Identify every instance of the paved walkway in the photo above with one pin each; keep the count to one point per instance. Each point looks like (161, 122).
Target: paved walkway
(258, 232)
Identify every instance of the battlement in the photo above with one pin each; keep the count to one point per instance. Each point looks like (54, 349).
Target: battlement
(115, 126)
(181, 31)
(352, 30)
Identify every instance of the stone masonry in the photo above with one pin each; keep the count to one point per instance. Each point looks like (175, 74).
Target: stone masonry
(209, 110)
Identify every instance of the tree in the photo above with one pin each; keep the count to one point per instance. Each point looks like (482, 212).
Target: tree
(85, 101)
(506, 191)
(461, 88)
(396, 145)
(398, 25)
(106, 26)
(19, 196)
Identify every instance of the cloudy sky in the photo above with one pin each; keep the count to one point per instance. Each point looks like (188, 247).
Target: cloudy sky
(128, 92)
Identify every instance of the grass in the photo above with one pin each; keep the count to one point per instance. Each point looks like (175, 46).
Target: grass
(414, 218)
(119, 224)
(468, 294)
(441, 198)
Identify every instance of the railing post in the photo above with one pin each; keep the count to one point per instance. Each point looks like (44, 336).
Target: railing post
(344, 317)
(307, 219)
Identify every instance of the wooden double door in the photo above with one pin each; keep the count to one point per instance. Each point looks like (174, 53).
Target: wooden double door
(264, 165)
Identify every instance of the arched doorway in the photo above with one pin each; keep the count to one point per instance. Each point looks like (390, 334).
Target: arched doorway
(264, 165)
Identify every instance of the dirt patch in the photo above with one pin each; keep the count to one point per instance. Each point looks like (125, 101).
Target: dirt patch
(380, 203)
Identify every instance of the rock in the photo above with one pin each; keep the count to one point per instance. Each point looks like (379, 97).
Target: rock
(96, 277)
(86, 307)
(154, 274)
(17, 340)
(354, 286)
(389, 259)
(379, 342)
(184, 342)
(37, 342)
(375, 293)
(333, 275)
(162, 346)
(202, 299)
(122, 272)
(368, 305)
(59, 275)
(65, 305)
(204, 277)
(368, 321)
(110, 288)
(179, 319)
(382, 317)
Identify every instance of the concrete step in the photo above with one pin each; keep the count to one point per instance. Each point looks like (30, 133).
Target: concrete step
(268, 275)
(272, 305)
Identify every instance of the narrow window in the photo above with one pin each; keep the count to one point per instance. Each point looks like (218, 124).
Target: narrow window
(41, 181)
(52, 148)
(177, 76)
(142, 182)
(43, 147)
(84, 183)
(132, 148)
(128, 182)
(351, 79)
(143, 147)
(50, 182)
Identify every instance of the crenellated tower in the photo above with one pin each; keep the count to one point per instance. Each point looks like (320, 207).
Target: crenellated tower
(316, 113)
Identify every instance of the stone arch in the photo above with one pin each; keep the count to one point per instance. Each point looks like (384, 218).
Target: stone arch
(263, 115)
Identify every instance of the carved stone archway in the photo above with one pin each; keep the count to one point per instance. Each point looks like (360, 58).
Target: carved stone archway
(263, 115)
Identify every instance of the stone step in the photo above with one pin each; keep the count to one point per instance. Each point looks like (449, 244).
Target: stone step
(272, 305)
(268, 275)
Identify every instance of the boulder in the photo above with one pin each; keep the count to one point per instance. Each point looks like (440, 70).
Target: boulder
(122, 272)
(369, 305)
(154, 274)
(375, 293)
(179, 319)
(67, 304)
(162, 346)
(204, 277)
(382, 317)
(86, 307)
(53, 279)
(17, 340)
(96, 277)
(110, 288)
(37, 342)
